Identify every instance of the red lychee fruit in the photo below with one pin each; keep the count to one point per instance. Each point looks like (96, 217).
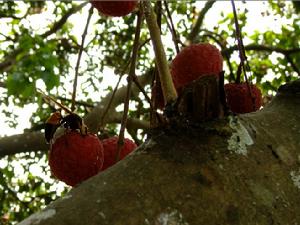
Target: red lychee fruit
(114, 8)
(194, 61)
(239, 99)
(110, 146)
(74, 158)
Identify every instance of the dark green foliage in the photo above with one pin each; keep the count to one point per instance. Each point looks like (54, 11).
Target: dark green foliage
(21, 197)
(296, 5)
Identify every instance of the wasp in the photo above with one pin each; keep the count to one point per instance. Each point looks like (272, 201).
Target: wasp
(71, 121)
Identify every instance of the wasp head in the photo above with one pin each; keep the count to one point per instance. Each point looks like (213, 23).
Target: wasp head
(74, 122)
(52, 123)
(71, 121)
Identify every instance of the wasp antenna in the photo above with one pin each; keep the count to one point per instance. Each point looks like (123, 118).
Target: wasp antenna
(49, 99)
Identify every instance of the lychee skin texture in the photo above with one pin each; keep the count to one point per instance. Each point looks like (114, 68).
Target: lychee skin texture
(110, 146)
(194, 61)
(239, 99)
(74, 158)
(114, 8)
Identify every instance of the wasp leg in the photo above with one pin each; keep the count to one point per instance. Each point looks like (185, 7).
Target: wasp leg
(83, 128)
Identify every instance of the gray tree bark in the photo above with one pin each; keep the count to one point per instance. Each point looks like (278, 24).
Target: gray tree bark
(238, 170)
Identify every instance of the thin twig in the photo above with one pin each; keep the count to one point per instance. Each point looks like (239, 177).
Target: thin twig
(256, 47)
(196, 28)
(239, 41)
(10, 59)
(226, 56)
(294, 66)
(158, 11)
(2, 85)
(49, 100)
(144, 43)
(108, 106)
(154, 115)
(136, 82)
(81, 103)
(117, 85)
(100, 127)
(79, 58)
(242, 54)
(58, 24)
(7, 37)
(130, 79)
(172, 27)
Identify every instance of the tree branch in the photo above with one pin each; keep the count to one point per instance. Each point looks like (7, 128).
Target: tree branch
(131, 74)
(34, 141)
(26, 142)
(131, 122)
(293, 64)
(11, 58)
(2, 85)
(93, 119)
(79, 58)
(197, 26)
(3, 15)
(58, 25)
(256, 47)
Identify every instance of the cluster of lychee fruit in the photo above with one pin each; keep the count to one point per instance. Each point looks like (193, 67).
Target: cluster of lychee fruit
(75, 157)
(114, 8)
(205, 59)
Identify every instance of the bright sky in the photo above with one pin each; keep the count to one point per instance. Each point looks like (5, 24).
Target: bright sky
(256, 21)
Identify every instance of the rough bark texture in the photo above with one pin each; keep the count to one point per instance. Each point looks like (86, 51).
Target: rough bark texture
(240, 170)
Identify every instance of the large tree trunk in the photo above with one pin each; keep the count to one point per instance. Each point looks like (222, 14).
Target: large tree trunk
(238, 170)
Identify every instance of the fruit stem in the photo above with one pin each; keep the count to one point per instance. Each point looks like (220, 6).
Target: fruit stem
(79, 58)
(242, 53)
(169, 91)
(131, 75)
(172, 27)
(50, 101)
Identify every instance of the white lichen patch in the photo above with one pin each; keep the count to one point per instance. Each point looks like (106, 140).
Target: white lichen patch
(102, 215)
(146, 145)
(150, 143)
(262, 194)
(240, 137)
(38, 217)
(66, 197)
(295, 175)
(171, 217)
(284, 153)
